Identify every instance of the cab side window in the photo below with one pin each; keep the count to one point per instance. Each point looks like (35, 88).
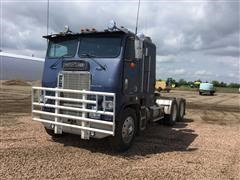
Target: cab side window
(130, 51)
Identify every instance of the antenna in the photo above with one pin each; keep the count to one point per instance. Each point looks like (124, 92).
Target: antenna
(47, 15)
(137, 17)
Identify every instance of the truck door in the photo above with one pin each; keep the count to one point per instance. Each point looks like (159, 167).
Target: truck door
(148, 72)
(131, 69)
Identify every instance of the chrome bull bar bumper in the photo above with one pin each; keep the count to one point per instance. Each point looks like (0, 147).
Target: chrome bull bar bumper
(58, 116)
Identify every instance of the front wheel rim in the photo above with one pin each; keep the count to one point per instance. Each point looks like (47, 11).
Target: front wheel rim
(128, 130)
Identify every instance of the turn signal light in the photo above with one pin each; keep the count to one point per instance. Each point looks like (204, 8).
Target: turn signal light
(132, 65)
(88, 30)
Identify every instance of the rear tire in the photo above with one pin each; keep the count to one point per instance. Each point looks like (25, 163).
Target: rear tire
(200, 93)
(181, 109)
(170, 119)
(125, 130)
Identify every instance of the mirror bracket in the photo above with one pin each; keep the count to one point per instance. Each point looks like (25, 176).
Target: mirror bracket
(138, 46)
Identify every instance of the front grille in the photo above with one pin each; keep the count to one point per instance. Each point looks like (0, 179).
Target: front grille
(76, 81)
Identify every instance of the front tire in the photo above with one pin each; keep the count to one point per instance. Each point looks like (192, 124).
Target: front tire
(212, 93)
(125, 130)
(52, 134)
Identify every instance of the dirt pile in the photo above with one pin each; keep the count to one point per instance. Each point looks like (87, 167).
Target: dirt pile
(16, 83)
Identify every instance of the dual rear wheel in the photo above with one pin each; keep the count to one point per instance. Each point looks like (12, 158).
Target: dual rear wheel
(181, 109)
(177, 112)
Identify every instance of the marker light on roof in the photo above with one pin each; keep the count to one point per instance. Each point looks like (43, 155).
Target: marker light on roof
(66, 29)
(141, 35)
(112, 24)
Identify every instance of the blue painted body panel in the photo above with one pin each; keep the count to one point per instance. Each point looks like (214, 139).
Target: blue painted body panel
(104, 81)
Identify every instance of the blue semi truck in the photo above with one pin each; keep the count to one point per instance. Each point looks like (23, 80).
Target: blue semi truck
(102, 83)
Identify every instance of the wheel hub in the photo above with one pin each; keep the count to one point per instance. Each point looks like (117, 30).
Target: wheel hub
(128, 129)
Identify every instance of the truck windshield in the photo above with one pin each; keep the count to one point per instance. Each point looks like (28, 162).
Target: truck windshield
(62, 48)
(100, 46)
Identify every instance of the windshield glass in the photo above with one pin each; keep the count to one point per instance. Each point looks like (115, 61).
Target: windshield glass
(100, 46)
(62, 48)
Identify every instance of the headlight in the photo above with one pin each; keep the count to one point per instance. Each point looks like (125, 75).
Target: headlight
(108, 105)
(94, 115)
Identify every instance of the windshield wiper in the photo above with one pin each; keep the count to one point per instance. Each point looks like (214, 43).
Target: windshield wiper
(53, 66)
(91, 56)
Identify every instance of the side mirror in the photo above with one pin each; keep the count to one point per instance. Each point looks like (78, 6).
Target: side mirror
(138, 48)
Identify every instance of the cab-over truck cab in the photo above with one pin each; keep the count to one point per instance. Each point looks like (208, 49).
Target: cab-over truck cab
(99, 84)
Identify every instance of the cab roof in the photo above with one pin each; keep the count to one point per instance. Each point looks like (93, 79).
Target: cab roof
(70, 34)
(87, 32)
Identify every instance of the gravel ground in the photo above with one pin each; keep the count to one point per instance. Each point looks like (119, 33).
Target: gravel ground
(205, 146)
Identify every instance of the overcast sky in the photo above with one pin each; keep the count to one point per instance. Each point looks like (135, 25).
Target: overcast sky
(194, 39)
